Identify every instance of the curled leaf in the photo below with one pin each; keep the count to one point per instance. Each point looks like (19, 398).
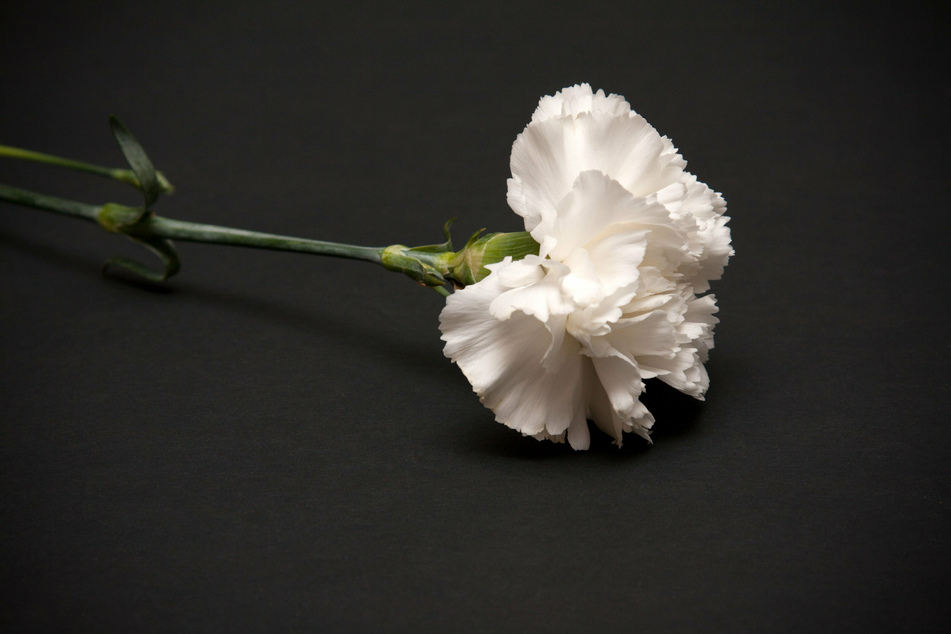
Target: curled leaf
(161, 247)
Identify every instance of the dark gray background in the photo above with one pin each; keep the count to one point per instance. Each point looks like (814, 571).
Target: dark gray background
(274, 442)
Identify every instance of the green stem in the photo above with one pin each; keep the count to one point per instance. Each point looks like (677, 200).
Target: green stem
(213, 234)
(48, 203)
(159, 227)
(123, 175)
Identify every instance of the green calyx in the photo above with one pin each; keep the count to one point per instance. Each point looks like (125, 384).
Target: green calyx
(468, 265)
(434, 265)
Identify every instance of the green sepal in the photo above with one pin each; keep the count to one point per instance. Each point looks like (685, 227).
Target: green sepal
(444, 247)
(139, 162)
(516, 244)
(468, 265)
(161, 247)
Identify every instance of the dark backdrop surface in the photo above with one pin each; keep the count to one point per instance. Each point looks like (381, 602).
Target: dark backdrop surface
(272, 442)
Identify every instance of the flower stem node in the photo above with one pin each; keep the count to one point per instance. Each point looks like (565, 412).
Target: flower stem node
(124, 220)
(116, 218)
(426, 267)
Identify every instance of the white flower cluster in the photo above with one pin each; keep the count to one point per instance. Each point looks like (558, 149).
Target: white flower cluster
(628, 241)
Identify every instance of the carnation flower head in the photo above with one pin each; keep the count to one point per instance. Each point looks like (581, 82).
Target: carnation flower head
(628, 241)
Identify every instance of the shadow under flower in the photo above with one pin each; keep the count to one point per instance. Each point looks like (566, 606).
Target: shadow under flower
(677, 414)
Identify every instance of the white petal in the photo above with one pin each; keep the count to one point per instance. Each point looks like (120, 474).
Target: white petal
(699, 322)
(717, 251)
(590, 324)
(579, 437)
(504, 362)
(570, 102)
(550, 154)
(685, 372)
(582, 286)
(649, 334)
(594, 204)
(617, 256)
(541, 296)
(613, 399)
(698, 211)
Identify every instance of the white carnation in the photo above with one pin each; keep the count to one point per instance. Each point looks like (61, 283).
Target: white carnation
(628, 239)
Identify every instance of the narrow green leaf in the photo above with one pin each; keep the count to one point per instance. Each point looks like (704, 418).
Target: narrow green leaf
(138, 160)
